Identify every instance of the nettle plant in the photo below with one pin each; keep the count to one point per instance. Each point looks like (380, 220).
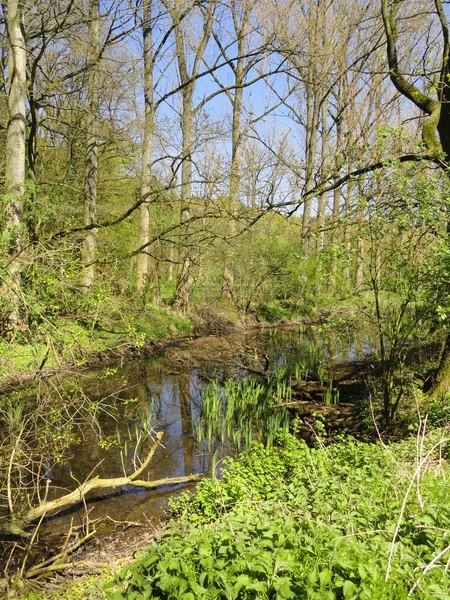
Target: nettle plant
(345, 522)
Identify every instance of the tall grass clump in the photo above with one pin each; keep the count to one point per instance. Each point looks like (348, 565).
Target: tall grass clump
(239, 411)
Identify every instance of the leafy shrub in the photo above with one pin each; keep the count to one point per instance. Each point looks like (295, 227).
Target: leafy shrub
(345, 522)
(272, 311)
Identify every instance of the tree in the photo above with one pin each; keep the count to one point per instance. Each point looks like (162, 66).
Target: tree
(429, 90)
(240, 14)
(147, 146)
(91, 178)
(432, 95)
(189, 56)
(15, 160)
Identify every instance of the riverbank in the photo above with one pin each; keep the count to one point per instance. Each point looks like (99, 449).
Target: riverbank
(348, 521)
(311, 415)
(271, 526)
(69, 346)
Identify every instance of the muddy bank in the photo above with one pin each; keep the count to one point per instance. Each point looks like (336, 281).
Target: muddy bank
(120, 350)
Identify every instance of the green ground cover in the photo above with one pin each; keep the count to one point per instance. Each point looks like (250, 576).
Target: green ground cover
(348, 521)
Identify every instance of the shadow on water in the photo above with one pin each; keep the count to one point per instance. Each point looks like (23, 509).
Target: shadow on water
(165, 394)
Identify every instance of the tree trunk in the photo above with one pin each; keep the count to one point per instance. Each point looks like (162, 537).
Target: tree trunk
(436, 125)
(312, 133)
(322, 200)
(359, 275)
(142, 273)
(184, 281)
(236, 137)
(91, 178)
(15, 162)
(187, 76)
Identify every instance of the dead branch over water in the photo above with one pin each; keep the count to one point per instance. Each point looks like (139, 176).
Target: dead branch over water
(16, 524)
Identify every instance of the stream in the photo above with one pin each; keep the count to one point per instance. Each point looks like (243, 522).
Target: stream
(165, 393)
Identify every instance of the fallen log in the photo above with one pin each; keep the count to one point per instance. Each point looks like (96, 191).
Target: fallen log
(16, 524)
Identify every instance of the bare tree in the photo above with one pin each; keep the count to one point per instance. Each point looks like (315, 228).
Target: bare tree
(189, 55)
(247, 57)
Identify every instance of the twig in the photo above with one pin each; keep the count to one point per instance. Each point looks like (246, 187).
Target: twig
(428, 567)
(10, 465)
(408, 491)
(51, 564)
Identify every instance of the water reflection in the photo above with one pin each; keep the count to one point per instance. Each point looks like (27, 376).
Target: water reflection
(166, 395)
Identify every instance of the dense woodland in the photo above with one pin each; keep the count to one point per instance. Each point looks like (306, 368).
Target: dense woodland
(166, 159)
(267, 154)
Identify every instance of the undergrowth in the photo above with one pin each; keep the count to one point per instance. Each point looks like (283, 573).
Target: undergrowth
(348, 521)
(75, 342)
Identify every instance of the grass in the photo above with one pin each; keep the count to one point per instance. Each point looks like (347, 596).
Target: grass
(67, 342)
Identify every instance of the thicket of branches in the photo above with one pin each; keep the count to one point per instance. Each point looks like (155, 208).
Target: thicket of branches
(158, 150)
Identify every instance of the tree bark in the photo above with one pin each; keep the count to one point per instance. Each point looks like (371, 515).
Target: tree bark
(312, 134)
(241, 20)
(187, 75)
(184, 281)
(142, 272)
(15, 161)
(91, 177)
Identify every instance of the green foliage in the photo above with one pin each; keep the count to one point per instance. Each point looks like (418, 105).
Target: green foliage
(271, 312)
(157, 323)
(84, 588)
(402, 270)
(434, 412)
(237, 410)
(349, 521)
(257, 476)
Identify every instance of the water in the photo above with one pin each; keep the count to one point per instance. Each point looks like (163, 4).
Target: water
(165, 394)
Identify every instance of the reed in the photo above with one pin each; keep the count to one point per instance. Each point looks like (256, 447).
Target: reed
(239, 412)
(331, 395)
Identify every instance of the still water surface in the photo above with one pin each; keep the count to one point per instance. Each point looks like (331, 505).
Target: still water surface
(165, 394)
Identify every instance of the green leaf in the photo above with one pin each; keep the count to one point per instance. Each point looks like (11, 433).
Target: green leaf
(325, 577)
(313, 576)
(283, 588)
(350, 590)
(242, 581)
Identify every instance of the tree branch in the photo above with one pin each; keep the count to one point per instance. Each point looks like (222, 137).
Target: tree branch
(17, 523)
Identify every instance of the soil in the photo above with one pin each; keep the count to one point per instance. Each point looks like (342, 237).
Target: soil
(346, 416)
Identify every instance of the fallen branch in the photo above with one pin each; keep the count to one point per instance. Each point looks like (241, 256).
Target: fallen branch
(17, 523)
(59, 561)
(85, 565)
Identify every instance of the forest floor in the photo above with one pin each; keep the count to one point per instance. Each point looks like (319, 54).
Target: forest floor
(94, 562)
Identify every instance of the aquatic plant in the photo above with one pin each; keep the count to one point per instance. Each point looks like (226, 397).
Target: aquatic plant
(239, 411)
